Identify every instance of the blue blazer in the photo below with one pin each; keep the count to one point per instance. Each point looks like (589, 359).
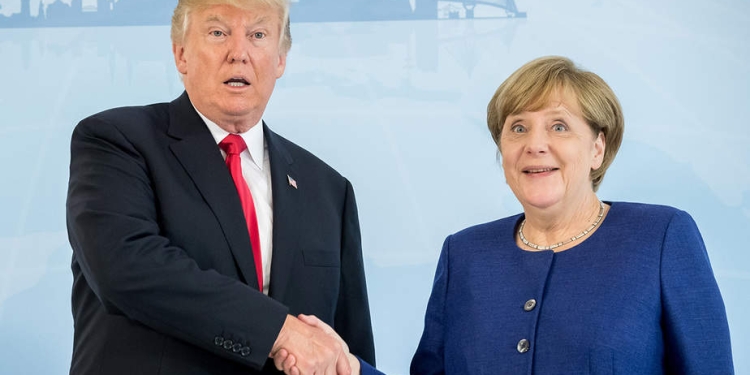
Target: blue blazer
(164, 281)
(637, 297)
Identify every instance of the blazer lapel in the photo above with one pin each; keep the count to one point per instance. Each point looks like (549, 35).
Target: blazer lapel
(286, 214)
(198, 153)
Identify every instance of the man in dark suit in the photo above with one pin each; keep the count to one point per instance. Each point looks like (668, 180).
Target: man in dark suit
(174, 271)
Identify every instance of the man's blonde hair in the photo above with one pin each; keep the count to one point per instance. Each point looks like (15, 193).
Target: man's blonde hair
(185, 7)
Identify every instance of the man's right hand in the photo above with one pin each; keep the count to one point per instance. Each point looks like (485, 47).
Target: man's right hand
(314, 351)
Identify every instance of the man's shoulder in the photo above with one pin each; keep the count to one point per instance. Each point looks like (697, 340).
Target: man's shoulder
(135, 123)
(131, 115)
(299, 155)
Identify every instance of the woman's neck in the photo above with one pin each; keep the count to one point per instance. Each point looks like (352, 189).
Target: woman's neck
(552, 225)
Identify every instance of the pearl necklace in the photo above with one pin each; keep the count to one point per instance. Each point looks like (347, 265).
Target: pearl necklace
(553, 246)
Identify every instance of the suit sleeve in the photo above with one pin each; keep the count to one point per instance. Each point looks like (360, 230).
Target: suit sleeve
(696, 332)
(135, 271)
(429, 357)
(352, 318)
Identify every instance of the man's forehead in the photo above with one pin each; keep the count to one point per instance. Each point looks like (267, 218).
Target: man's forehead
(254, 15)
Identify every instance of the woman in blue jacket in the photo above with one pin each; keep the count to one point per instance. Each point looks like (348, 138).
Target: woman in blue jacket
(574, 284)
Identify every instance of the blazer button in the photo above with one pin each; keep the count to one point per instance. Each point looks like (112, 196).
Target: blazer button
(529, 305)
(245, 351)
(237, 347)
(228, 344)
(523, 346)
(218, 341)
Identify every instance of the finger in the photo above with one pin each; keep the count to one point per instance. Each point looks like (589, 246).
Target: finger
(310, 320)
(313, 321)
(354, 364)
(289, 363)
(342, 366)
(328, 364)
(294, 371)
(331, 370)
(279, 358)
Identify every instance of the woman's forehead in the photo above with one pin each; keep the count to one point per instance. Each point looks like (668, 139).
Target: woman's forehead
(555, 99)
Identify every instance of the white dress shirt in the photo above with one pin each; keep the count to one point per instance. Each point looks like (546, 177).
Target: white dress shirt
(256, 170)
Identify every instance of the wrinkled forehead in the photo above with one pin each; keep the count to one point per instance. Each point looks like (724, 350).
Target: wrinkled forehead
(559, 95)
(255, 13)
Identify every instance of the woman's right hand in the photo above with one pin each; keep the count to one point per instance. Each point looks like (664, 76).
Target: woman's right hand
(287, 362)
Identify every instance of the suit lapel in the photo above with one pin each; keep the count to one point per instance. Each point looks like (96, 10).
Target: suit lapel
(286, 214)
(198, 153)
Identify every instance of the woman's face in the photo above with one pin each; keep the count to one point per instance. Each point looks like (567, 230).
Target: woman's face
(548, 154)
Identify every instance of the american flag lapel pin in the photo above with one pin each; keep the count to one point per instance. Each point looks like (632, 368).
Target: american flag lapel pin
(292, 182)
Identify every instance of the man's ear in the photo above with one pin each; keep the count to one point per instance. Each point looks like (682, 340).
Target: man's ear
(281, 66)
(178, 51)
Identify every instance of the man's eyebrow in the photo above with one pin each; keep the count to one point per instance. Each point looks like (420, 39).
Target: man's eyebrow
(259, 20)
(215, 18)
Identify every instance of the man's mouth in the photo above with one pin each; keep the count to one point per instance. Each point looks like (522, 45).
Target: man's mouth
(236, 82)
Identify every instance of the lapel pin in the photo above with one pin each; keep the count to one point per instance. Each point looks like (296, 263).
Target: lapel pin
(292, 182)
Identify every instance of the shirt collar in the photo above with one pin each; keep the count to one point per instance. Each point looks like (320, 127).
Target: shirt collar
(253, 138)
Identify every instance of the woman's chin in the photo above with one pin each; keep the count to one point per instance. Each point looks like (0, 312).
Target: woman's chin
(541, 200)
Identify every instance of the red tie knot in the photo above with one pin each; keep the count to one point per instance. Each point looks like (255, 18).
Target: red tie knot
(233, 144)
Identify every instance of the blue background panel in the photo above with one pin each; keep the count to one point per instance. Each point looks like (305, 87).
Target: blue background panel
(394, 97)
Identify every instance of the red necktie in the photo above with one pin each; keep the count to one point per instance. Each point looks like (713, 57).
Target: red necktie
(233, 145)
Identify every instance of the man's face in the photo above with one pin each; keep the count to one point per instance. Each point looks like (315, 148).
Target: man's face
(230, 60)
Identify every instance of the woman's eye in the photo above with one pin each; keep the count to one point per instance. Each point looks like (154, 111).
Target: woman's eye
(517, 129)
(259, 35)
(559, 127)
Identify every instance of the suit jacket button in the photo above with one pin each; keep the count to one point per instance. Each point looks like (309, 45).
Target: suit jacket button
(228, 344)
(219, 341)
(523, 346)
(245, 351)
(529, 305)
(237, 347)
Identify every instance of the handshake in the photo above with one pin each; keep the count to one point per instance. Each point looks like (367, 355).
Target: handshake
(306, 345)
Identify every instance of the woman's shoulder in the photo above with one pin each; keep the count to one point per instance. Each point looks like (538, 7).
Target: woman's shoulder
(646, 220)
(487, 231)
(644, 211)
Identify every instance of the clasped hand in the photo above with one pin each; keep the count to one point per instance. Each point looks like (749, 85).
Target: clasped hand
(307, 346)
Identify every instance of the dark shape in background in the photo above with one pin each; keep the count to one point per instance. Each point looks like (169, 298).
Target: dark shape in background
(106, 13)
(149, 12)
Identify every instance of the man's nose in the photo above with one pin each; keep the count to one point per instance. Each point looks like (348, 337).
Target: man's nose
(238, 49)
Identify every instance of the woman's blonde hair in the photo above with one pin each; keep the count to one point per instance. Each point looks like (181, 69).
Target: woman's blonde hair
(531, 87)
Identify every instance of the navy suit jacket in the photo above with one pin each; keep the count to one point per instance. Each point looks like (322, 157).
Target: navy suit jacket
(164, 279)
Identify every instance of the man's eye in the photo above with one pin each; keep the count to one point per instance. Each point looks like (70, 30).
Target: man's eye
(259, 35)
(217, 33)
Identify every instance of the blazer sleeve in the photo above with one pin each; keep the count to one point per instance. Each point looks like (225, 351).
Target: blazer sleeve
(429, 359)
(135, 271)
(696, 332)
(352, 317)
(367, 369)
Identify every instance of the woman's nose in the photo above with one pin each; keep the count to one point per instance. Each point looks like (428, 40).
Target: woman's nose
(537, 141)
